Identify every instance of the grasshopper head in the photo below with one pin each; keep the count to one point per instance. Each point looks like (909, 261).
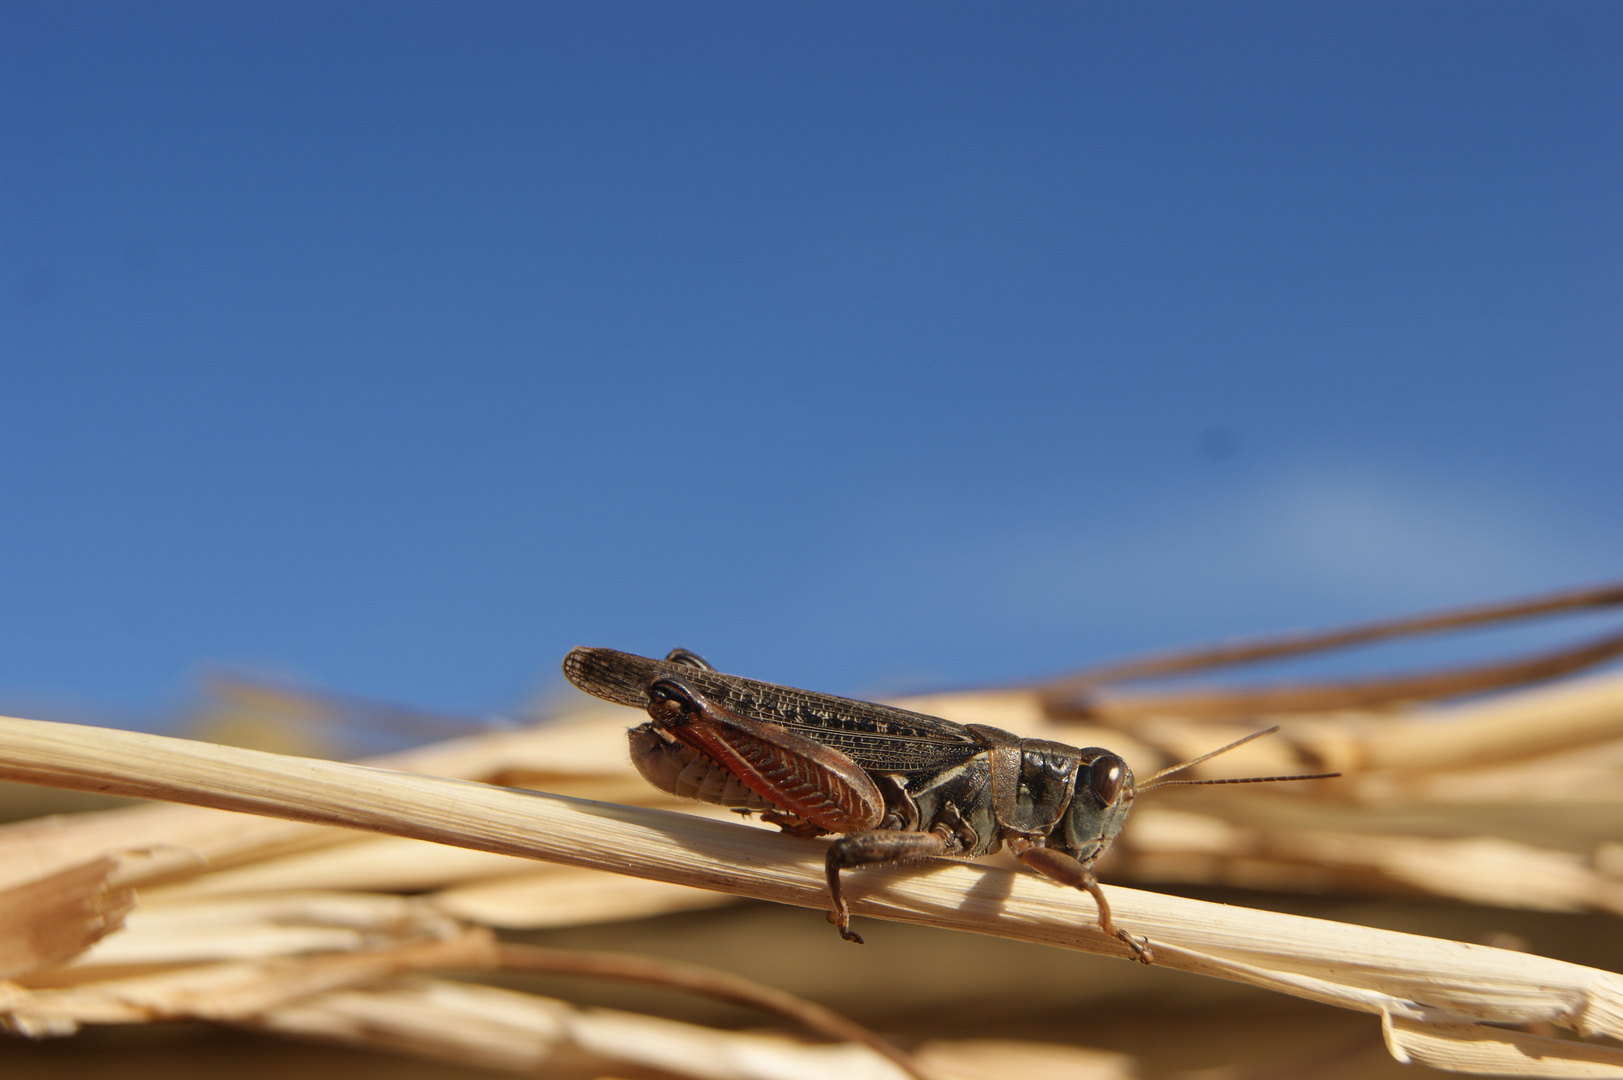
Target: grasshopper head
(1104, 793)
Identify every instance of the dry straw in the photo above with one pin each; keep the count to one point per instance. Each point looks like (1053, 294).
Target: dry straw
(284, 918)
(1440, 1002)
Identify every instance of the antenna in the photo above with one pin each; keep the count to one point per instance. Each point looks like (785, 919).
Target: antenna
(1156, 781)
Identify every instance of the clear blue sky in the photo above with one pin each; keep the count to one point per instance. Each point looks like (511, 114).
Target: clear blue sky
(398, 347)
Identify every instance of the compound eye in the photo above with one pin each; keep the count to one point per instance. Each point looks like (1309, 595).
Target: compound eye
(1108, 775)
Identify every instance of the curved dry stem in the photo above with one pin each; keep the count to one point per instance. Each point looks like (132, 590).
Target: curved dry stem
(1374, 693)
(1275, 647)
(1082, 694)
(710, 982)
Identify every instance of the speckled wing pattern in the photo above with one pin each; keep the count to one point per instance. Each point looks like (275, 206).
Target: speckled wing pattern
(877, 737)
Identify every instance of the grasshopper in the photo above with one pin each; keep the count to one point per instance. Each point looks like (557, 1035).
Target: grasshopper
(900, 786)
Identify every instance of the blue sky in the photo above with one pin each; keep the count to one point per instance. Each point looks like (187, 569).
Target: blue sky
(396, 348)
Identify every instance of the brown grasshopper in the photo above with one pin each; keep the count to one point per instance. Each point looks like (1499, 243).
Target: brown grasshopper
(900, 786)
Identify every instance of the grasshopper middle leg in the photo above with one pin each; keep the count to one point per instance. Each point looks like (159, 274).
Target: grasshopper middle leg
(878, 846)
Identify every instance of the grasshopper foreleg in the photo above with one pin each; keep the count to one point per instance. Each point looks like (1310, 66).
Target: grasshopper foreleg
(869, 848)
(1060, 867)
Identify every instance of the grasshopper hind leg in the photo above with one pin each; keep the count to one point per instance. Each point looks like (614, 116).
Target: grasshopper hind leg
(687, 658)
(876, 847)
(1060, 867)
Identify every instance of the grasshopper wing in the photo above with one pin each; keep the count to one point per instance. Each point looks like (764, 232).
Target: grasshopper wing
(878, 738)
(792, 772)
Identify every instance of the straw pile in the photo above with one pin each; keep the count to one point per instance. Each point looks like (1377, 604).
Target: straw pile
(261, 906)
